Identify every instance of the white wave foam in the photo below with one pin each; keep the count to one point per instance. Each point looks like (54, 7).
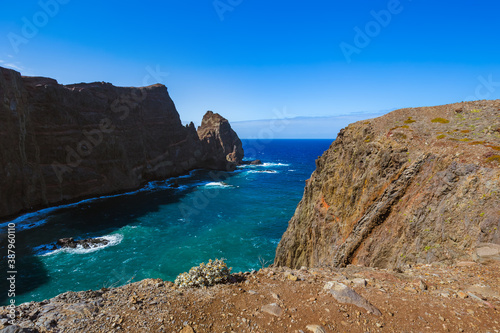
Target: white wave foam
(273, 164)
(35, 219)
(262, 171)
(217, 184)
(246, 166)
(263, 165)
(112, 241)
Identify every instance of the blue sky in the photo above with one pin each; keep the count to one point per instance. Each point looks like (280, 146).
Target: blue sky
(246, 59)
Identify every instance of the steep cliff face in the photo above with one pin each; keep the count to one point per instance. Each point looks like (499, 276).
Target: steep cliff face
(416, 185)
(61, 143)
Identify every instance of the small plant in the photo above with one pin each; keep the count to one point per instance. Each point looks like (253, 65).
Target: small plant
(442, 136)
(476, 111)
(493, 158)
(409, 120)
(440, 120)
(213, 272)
(263, 262)
(404, 126)
(493, 147)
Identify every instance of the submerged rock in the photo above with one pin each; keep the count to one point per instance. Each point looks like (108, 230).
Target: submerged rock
(85, 243)
(253, 162)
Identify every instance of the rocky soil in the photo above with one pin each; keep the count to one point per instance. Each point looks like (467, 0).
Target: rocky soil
(417, 185)
(62, 143)
(423, 298)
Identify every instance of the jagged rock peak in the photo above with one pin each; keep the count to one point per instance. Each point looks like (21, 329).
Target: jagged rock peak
(216, 130)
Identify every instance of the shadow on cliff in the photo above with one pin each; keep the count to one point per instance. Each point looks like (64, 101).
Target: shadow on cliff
(103, 216)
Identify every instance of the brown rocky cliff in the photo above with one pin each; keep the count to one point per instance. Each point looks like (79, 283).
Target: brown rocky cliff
(62, 143)
(414, 186)
(215, 132)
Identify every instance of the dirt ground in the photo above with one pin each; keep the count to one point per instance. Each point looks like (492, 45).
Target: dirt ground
(426, 298)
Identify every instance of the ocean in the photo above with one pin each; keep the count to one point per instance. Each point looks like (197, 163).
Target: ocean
(163, 229)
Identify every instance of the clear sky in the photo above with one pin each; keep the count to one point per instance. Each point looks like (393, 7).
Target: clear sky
(246, 59)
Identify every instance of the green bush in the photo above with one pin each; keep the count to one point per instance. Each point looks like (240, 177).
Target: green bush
(440, 120)
(205, 274)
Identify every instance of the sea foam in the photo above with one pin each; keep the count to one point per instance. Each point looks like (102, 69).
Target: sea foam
(218, 184)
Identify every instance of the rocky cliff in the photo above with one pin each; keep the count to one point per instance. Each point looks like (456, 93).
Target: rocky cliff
(417, 185)
(216, 133)
(60, 143)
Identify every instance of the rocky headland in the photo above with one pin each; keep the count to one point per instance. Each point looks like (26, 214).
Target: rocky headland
(62, 143)
(417, 185)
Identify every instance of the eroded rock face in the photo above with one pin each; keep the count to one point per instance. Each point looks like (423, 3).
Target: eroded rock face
(214, 132)
(416, 185)
(62, 143)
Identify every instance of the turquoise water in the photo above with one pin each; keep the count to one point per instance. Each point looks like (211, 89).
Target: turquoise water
(161, 231)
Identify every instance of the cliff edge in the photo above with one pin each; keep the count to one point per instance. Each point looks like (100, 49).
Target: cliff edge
(417, 185)
(61, 143)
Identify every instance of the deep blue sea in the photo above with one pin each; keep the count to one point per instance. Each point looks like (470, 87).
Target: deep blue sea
(161, 231)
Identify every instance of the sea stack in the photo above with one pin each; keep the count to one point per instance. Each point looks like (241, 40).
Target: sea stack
(220, 142)
(417, 185)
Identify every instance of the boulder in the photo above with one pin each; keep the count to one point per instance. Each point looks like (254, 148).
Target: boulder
(344, 294)
(252, 162)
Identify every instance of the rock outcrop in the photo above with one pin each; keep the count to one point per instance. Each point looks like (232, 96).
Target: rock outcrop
(61, 143)
(84, 243)
(215, 132)
(417, 185)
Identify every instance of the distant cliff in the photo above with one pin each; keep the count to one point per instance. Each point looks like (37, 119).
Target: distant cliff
(416, 185)
(59, 143)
